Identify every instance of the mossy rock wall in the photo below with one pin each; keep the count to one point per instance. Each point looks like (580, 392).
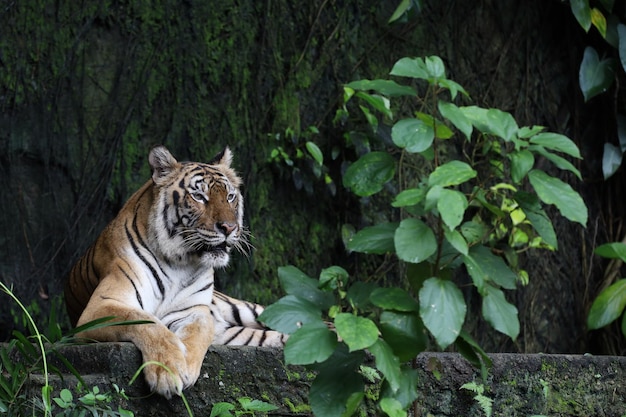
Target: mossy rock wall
(519, 385)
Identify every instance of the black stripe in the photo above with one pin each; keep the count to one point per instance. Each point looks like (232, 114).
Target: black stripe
(137, 295)
(234, 336)
(144, 260)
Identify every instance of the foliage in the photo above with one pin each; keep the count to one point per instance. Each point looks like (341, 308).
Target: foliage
(597, 74)
(486, 403)
(609, 304)
(246, 406)
(15, 391)
(474, 211)
(296, 155)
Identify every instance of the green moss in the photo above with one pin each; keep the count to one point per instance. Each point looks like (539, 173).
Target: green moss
(297, 408)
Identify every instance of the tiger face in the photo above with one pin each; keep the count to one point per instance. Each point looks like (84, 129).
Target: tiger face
(199, 210)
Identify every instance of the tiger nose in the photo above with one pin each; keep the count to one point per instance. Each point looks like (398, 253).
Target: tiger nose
(226, 228)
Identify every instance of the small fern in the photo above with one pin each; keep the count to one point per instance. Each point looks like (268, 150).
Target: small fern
(485, 403)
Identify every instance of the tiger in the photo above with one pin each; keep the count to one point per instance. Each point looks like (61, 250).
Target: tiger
(155, 261)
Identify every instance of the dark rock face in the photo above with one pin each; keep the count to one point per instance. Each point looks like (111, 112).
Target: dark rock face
(524, 385)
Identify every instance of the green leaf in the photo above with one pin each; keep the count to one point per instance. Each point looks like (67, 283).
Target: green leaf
(599, 21)
(410, 67)
(394, 299)
(388, 88)
(441, 130)
(611, 160)
(392, 407)
(556, 142)
(451, 206)
(457, 241)
(296, 282)
(501, 314)
(377, 239)
(472, 351)
(414, 241)
(582, 13)
(336, 381)
(333, 277)
(442, 309)
(259, 406)
(456, 116)
(367, 175)
(377, 102)
(222, 409)
(483, 266)
(451, 173)
(526, 132)
(608, 306)
(407, 393)
(313, 342)
(413, 135)
(315, 152)
(409, 197)
(453, 87)
(387, 363)
(492, 121)
(558, 161)
(473, 232)
(529, 203)
(595, 76)
(521, 162)
(554, 191)
(435, 67)
(357, 332)
(614, 250)
(403, 7)
(404, 332)
(288, 313)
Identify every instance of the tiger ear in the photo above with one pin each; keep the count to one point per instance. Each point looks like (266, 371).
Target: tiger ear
(223, 158)
(162, 163)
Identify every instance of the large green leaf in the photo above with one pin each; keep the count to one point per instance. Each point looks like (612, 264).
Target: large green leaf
(483, 266)
(451, 112)
(608, 306)
(442, 309)
(315, 152)
(369, 173)
(414, 241)
(407, 393)
(451, 206)
(404, 332)
(582, 13)
(614, 250)
(387, 363)
(451, 173)
(557, 160)
(521, 162)
(394, 299)
(556, 142)
(357, 332)
(501, 314)
(554, 191)
(530, 205)
(313, 342)
(377, 239)
(392, 407)
(595, 75)
(457, 241)
(289, 313)
(296, 282)
(387, 87)
(410, 67)
(377, 102)
(492, 121)
(336, 381)
(413, 135)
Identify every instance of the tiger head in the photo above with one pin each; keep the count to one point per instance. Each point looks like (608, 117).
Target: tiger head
(197, 215)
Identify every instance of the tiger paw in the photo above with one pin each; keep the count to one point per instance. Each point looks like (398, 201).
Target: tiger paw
(166, 368)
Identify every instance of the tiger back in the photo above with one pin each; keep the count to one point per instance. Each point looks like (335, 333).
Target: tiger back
(155, 262)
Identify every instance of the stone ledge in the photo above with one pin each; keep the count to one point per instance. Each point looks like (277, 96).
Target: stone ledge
(520, 385)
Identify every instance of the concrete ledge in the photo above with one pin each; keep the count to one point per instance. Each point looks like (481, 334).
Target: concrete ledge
(520, 385)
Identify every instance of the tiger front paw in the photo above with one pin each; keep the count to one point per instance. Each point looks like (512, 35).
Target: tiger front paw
(166, 369)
